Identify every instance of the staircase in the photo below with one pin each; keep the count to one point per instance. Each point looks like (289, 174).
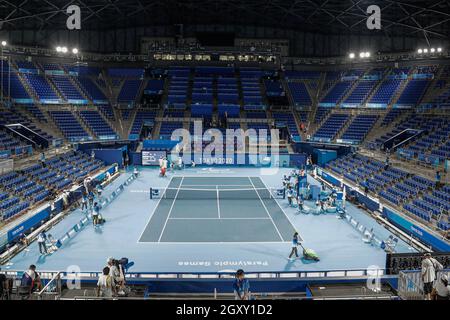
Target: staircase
(77, 85)
(433, 92)
(315, 126)
(352, 88)
(377, 87)
(83, 124)
(344, 127)
(111, 123)
(124, 126)
(286, 88)
(315, 99)
(157, 126)
(54, 88)
(398, 93)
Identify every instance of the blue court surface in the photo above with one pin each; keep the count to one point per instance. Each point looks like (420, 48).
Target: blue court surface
(208, 229)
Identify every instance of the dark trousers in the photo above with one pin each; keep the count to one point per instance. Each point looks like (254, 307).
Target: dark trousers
(42, 247)
(294, 251)
(83, 205)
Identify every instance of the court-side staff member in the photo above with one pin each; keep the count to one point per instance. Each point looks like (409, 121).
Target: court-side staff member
(241, 286)
(290, 195)
(294, 246)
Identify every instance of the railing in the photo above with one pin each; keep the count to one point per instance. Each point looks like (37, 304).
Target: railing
(144, 276)
(410, 284)
(52, 289)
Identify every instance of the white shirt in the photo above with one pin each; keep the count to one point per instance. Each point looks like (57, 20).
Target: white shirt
(41, 238)
(32, 274)
(429, 268)
(441, 289)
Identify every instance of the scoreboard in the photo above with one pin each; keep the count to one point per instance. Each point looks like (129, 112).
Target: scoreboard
(151, 158)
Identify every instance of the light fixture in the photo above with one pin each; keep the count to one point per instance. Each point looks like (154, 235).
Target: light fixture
(4, 43)
(425, 50)
(58, 49)
(351, 55)
(64, 49)
(75, 51)
(439, 49)
(420, 51)
(367, 54)
(362, 54)
(433, 50)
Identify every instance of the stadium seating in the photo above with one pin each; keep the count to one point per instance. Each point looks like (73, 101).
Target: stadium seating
(413, 92)
(69, 125)
(42, 88)
(129, 91)
(299, 94)
(91, 90)
(24, 189)
(361, 92)
(331, 127)
(67, 88)
(140, 119)
(359, 128)
(98, 125)
(385, 92)
(337, 93)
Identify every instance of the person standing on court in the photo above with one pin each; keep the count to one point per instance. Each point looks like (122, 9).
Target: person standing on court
(430, 266)
(84, 202)
(290, 195)
(294, 246)
(42, 239)
(95, 214)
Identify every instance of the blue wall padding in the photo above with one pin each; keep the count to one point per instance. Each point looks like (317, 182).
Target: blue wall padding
(136, 158)
(109, 156)
(325, 156)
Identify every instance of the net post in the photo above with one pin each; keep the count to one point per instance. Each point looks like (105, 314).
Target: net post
(151, 193)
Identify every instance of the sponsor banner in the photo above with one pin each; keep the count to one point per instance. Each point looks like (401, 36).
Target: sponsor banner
(376, 105)
(418, 232)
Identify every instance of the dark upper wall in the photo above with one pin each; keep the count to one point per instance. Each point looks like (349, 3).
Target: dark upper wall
(302, 44)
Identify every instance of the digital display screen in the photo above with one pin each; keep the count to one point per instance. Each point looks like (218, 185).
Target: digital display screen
(151, 158)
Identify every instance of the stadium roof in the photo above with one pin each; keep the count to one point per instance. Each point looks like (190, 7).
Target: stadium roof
(424, 19)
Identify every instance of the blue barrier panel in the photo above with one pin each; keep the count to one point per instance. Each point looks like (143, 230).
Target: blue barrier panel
(330, 179)
(418, 232)
(28, 224)
(109, 156)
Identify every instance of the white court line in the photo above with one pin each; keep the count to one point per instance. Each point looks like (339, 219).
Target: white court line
(153, 213)
(213, 242)
(219, 218)
(218, 201)
(264, 205)
(282, 210)
(213, 185)
(170, 210)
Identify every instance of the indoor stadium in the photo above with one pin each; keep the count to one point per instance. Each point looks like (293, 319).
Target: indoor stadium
(283, 150)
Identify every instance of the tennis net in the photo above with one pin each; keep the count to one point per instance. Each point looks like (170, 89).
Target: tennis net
(217, 193)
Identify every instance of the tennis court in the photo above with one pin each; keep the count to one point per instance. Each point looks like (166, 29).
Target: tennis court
(217, 209)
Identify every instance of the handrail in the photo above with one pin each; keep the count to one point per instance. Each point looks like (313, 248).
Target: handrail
(410, 284)
(56, 277)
